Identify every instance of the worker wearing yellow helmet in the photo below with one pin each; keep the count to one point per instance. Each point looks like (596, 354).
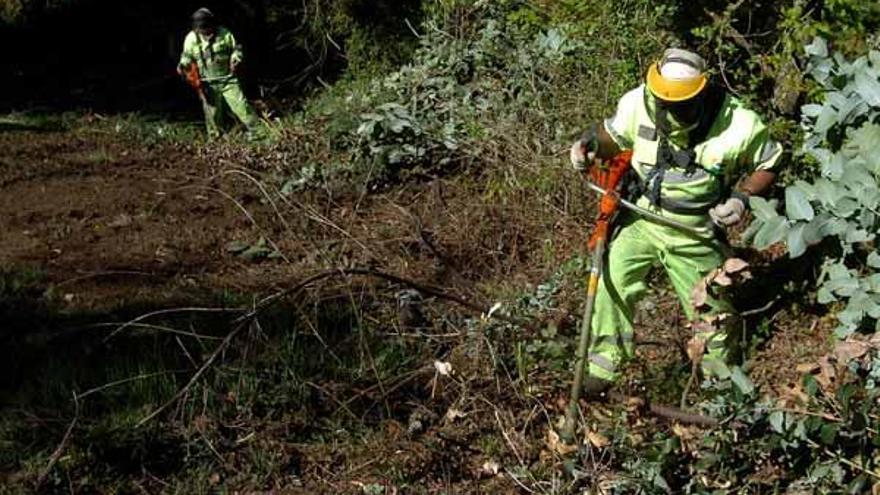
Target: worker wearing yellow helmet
(698, 154)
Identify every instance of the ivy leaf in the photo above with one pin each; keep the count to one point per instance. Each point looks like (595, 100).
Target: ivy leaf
(874, 260)
(812, 110)
(833, 167)
(826, 192)
(827, 119)
(845, 207)
(764, 210)
(797, 206)
(855, 235)
(807, 188)
(777, 421)
(825, 296)
(773, 231)
(817, 48)
(814, 232)
(868, 88)
(797, 245)
(741, 381)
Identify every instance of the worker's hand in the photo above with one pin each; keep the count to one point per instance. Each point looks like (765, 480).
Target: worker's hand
(728, 213)
(580, 157)
(180, 71)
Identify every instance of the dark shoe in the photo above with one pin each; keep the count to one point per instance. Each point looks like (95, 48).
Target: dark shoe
(595, 386)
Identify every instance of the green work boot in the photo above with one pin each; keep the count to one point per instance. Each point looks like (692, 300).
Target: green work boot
(594, 386)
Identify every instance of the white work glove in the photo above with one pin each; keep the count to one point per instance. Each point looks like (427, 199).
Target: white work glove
(729, 212)
(580, 157)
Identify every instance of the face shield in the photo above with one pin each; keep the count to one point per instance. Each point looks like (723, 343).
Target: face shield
(678, 82)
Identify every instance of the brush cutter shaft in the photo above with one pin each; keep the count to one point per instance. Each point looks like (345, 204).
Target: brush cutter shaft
(650, 214)
(568, 428)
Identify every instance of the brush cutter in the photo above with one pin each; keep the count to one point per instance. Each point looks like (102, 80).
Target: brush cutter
(607, 176)
(194, 79)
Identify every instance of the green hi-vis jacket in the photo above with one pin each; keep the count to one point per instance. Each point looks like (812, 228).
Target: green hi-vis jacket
(213, 55)
(737, 143)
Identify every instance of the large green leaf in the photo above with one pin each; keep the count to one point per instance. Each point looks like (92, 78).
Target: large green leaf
(741, 381)
(817, 48)
(764, 210)
(825, 296)
(814, 232)
(868, 88)
(855, 234)
(797, 245)
(826, 192)
(771, 232)
(845, 207)
(864, 142)
(826, 120)
(797, 205)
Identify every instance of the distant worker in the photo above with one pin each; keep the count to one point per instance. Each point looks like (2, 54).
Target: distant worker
(692, 143)
(211, 61)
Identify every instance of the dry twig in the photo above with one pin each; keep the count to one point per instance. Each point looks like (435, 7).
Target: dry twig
(59, 451)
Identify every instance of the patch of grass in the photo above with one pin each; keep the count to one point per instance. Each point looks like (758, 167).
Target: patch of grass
(35, 121)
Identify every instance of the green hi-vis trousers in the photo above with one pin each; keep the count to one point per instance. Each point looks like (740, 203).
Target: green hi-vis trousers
(640, 245)
(223, 95)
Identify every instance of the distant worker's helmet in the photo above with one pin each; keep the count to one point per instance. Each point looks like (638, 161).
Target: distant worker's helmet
(203, 18)
(679, 76)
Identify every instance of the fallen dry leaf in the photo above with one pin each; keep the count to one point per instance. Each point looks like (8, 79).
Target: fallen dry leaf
(555, 444)
(453, 414)
(597, 440)
(443, 368)
(850, 350)
(805, 368)
(734, 265)
(687, 435)
(491, 467)
(826, 374)
(796, 394)
(723, 280)
(699, 294)
(696, 347)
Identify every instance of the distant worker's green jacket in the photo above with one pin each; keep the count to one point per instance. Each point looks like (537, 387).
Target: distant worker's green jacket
(737, 143)
(215, 57)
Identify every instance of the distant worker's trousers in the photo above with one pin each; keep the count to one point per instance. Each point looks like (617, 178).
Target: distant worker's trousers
(639, 245)
(221, 96)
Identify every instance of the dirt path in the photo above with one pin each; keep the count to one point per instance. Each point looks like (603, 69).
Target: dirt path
(84, 210)
(107, 222)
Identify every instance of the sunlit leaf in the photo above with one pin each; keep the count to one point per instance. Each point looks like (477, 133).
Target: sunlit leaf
(771, 232)
(797, 205)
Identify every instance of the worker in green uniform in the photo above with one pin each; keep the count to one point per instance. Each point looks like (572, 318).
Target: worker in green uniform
(698, 154)
(218, 56)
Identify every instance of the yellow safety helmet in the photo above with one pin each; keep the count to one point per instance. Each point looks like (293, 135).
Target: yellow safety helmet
(679, 76)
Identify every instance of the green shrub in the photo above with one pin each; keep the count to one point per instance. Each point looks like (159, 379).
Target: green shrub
(842, 136)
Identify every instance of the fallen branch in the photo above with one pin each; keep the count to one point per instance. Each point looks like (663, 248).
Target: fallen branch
(667, 412)
(424, 289)
(180, 393)
(59, 451)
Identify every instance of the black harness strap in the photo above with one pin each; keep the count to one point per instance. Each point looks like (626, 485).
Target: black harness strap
(667, 157)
